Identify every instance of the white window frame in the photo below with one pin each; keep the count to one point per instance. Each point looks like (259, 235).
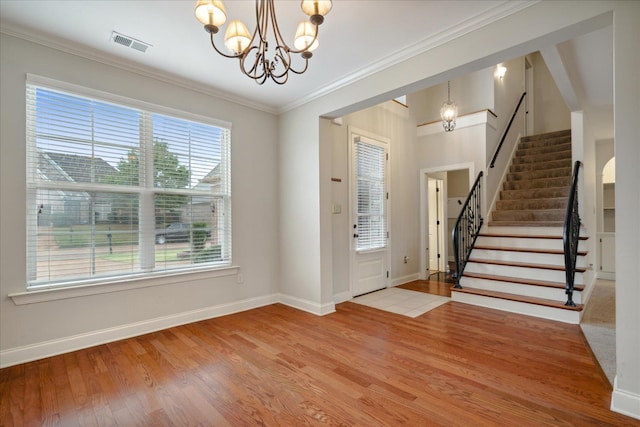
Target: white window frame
(146, 193)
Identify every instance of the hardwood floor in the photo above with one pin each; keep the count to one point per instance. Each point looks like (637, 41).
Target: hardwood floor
(456, 365)
(437, 284)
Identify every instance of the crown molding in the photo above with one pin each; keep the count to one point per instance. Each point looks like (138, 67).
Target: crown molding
(502, 10)
(110, 60)
(491, 15)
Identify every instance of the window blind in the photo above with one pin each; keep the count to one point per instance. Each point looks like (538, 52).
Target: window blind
(114, 190)
(371, 196)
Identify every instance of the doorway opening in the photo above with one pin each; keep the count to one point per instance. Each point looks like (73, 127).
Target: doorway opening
(443, 191)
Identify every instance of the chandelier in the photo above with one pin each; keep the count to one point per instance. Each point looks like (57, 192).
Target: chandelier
(258, 59)
(449, 112)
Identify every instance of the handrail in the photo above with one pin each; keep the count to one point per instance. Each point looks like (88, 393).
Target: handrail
(571, 236)
(504, 135)
(467, 228)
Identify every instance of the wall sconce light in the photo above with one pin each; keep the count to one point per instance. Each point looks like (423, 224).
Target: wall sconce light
(501, 71)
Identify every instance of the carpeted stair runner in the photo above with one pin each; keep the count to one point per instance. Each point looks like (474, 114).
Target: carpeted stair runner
(517, 263)
(536, 188)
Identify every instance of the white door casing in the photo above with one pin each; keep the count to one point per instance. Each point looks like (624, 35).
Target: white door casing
(368, 210)
(424, 224)
(435, 209)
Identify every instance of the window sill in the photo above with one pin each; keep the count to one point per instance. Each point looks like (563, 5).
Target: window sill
(65, 292)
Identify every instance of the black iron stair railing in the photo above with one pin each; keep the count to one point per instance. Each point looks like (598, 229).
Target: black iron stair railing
(571, 236)
(467, 228)
(506, 131)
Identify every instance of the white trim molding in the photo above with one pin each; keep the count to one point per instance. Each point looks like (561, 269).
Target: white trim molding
(625, 402)
(397, 281)
(28, 353)
(306, 305)
(164, 278)
(422, 274)
(41, 350)
(472, 119)
(342, 297)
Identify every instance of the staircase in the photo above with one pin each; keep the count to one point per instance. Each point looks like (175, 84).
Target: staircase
(517, 263)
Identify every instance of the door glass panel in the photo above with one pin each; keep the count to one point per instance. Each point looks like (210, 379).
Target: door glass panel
(370, 196)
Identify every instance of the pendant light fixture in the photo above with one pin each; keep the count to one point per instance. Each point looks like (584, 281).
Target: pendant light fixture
(449, 111)
(264, 54)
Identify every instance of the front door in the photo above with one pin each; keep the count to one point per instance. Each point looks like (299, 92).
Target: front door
(369, 208)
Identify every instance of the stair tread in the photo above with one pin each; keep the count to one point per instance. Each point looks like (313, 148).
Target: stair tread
(548, 135)
(521, 280)
(532, 250)
(540, 199)
(536, 210)
(526, 223)
(532, 204)
(558, 154)
(548, 170)
(528, 236)
(519, 298)
(550, 189)
(525, 264)
(546, 178)
(543, 149)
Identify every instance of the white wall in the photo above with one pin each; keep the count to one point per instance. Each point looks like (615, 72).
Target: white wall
(390, 120)
(507, 93)
(626, 395)
(471, 92)
(551, 112)
(539, 25)
(603, 268)
(35, 329)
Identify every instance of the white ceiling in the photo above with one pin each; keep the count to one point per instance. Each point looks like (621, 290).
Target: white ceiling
(357, 39)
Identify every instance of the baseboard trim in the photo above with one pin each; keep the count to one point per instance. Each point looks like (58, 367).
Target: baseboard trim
(405, 279)
(308, 306)
(624, 402)
(41, 350)
(606, 275)
(586, 294)
(342, 297)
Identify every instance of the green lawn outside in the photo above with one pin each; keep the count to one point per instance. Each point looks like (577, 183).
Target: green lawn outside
(80, 235)
(133, 257)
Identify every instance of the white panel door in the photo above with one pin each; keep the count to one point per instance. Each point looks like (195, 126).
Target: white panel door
(369, 208)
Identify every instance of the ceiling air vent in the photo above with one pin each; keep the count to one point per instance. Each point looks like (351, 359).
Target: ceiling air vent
(129, 42)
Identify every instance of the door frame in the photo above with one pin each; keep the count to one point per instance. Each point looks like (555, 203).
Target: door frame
(441, 215)
(424, 172)
(355, 132)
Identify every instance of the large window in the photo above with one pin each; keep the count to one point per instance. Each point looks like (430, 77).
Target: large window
(117, 191)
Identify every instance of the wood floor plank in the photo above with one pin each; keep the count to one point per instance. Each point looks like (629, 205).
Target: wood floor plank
(278, 366)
